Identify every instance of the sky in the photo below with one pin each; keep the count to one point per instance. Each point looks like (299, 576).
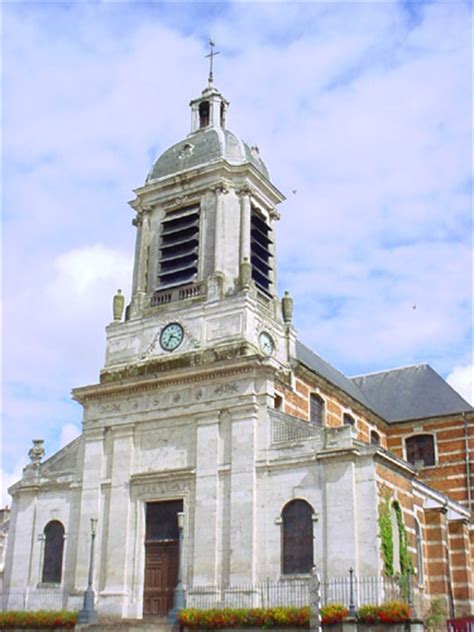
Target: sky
(362, 113)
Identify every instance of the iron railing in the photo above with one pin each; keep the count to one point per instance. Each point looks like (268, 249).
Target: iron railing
(264, 594)
(295, 592)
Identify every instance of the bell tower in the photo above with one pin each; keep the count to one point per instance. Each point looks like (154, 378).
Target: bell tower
(204, 279)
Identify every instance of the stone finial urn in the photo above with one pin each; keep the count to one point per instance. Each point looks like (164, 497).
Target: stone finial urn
(36, 453)
(119, 304)
(245, 274)
(287, 307)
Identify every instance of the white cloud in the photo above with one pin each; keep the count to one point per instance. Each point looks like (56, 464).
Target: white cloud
(68, 433)
(461, 379)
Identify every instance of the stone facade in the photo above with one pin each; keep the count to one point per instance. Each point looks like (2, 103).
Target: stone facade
(220, 419)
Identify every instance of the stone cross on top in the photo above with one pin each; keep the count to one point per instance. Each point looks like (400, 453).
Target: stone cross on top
(211, 56)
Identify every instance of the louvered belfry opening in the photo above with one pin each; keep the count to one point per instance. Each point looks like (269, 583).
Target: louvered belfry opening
(260, 243)
(179, 245)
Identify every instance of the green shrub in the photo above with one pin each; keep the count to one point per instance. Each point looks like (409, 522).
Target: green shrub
(49, 619)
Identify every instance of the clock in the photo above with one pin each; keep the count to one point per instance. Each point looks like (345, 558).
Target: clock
(266, 343)
(171, 336)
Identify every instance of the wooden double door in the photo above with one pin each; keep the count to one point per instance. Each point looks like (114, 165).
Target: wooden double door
(161, 556)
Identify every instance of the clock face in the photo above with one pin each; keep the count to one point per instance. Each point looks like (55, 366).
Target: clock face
(171, 336)
(266, 343)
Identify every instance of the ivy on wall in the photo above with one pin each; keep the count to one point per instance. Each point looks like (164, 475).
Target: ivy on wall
(386, 537)
(406, 564)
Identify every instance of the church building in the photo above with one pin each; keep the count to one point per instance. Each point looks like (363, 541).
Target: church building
(216, 442)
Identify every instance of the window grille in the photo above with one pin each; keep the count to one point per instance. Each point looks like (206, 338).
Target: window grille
(297, 537)
(420, 449)
(53, 552)
(179, 248)
(316, 409)
(260, 243)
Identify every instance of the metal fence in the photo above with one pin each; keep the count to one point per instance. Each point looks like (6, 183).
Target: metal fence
(295, 592)
(40, 598)
(265, 594)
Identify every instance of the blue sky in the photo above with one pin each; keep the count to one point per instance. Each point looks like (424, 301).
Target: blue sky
(363, 108)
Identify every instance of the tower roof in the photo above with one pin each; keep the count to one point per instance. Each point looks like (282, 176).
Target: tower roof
(203, 147)
(209, 140)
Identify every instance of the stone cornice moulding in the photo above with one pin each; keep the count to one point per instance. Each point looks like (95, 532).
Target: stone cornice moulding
(432, 499)
(387, 458)
(285, 463)
(182, 473)
(191, 376)
(246, 171)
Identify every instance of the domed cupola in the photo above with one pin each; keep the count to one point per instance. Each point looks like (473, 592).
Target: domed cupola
(208, 142)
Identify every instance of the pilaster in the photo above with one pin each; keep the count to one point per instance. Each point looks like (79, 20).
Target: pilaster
(90, 502)
(339, 516)
(439, 582)
(245, 220)
(460, 567)
(206, 499)
(116, 554)
(243, 495)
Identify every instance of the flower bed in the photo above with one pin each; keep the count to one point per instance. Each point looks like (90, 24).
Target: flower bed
(42, 619)
(333, 613)
(389, 612)
(245, 618)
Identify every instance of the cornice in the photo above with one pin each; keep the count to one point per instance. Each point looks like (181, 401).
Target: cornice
(163, 475)
(247, 365)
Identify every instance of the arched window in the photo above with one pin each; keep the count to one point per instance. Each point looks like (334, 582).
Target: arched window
(297, 556)
(374, 438)
(204, 114)
(316, 409)
(419, 553)
(348, 419)
(420, 450)
(53, 552)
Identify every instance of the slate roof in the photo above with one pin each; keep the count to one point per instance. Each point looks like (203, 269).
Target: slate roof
(411, 392)
(318, 364)
(203, 147)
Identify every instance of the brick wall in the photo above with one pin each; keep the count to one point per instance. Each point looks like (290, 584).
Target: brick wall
(449, 474)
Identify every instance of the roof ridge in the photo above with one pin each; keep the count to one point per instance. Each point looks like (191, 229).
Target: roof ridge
(398, 368)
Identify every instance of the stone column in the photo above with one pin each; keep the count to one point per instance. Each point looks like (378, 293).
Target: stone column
(116, 559)
(245, 223)
(243, 551)
(139, 288)
(460, 566)
(206, 500)
(90, 503)
(219, 242)
(438, 554)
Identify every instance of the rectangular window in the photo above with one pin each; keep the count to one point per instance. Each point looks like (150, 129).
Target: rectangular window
(260, 243)
(179, 248)
(420, 449)
(316, 409)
